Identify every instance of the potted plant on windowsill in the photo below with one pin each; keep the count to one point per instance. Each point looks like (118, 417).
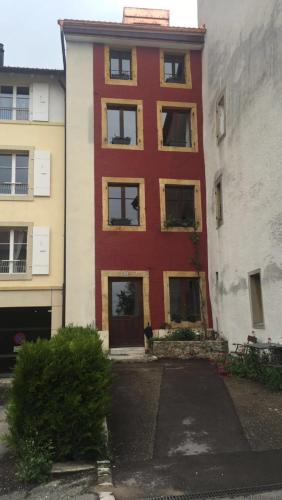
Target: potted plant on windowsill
(175, 222)
(121, 140)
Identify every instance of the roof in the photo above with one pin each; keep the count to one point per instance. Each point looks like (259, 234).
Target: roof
(137, 31)
(36, 71)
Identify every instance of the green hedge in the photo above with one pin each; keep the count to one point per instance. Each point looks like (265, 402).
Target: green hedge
(60, 396)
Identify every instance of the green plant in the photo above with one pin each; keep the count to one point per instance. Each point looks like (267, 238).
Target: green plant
(254, 367)
(34, 461)
(180, 334)
(60, 397)
(177, 222)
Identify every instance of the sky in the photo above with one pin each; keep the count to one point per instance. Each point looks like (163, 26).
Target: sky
(30, 34)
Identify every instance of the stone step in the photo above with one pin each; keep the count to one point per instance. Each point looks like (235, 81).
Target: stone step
(127, 351)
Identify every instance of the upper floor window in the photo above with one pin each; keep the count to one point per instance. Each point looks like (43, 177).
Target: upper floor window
(13, 250)
(14, 173)
(220, 118)
(180, 202)
(122, 124)
(123, 204)
(177, 126)
(175, 70)
(14, 102)
(120, 66)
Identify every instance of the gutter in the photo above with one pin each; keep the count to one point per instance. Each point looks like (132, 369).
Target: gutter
(65, 182)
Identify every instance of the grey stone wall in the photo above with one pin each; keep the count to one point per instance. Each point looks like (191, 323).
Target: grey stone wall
(205, 349)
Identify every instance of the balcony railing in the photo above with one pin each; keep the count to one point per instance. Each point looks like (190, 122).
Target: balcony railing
(12, 266)
(13, 188)
(14, 113)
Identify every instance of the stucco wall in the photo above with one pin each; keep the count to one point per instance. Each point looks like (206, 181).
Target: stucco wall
(80, 302)
(243, 56)
(151, 250)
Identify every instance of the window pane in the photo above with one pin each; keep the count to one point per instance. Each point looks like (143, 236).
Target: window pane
(131, 213)
(4, 250)
(124, 299)
(130, 126)
(115, 214)
(6, 103)
(174, 68)
(19, 251)
(20, 236)
(125, 66)
(21, 174)
(120, 64)
(4, 236)
(113, 124)
(180, 205)
(121, 124)
(114, 67)
(114, 192)
(5, 174)
(184, 299)
(22, 106)
(6, 89)
(23, 91)
(176, 128)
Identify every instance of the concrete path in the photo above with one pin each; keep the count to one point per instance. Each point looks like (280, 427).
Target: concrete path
(175, 430)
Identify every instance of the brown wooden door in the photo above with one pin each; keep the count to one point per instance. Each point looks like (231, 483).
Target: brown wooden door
(126, 322)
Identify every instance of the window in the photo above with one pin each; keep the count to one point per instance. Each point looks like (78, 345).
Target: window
(14, 173)
(123, 204)
(120, 66)
(185, 298)
(220, 118)
(256, 299)
(175, 70)
(177, 126)
(122, 124)
(14, 102)
(218, 203)
(13, 250)
(180, 202)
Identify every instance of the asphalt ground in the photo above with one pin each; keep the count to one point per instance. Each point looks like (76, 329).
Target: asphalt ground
(174, 429)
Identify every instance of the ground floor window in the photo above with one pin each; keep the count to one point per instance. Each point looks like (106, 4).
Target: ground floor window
(256, 299)
(185, 298)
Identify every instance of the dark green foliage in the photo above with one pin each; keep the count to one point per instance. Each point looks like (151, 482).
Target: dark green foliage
(179, 334)
(34, 461)
(60, 396)
(254, 367)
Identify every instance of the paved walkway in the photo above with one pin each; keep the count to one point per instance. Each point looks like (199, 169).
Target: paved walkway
(175, 430)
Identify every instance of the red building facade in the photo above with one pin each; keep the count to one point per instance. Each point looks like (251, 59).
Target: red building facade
(149, 181)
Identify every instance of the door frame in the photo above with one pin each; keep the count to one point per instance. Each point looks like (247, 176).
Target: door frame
(105, 275)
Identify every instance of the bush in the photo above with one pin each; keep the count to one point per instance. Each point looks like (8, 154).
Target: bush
(180, 334)
(254, 367)
(60, 398)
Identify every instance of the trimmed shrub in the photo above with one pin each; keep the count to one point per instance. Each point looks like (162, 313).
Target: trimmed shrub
(60, 397)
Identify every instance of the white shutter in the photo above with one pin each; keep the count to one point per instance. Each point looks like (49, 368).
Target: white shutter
(40, 251)
(41, 173)
(40, 102)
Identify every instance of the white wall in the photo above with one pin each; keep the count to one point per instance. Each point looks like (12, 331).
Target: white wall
(80, 269)
(243, 55)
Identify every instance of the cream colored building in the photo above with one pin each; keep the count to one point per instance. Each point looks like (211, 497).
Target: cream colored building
(31, 203)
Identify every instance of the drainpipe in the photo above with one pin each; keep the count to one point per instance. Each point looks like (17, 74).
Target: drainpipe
(65, 182)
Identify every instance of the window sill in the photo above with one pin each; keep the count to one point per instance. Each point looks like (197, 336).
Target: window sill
(107, 227)
(15, 197)
(15, 277)
(180, 229)
(135, 147)
(177, 149)
(186, 324)
(176, 85)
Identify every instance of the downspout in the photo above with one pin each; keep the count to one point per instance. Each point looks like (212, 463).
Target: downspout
(65, 179)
